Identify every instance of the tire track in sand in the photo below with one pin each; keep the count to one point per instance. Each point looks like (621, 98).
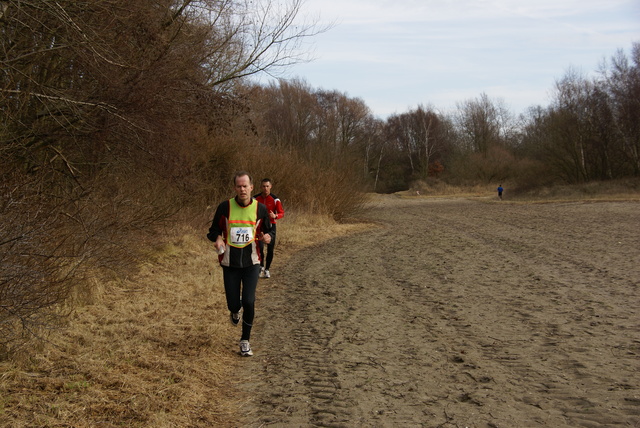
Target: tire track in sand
(464, 314)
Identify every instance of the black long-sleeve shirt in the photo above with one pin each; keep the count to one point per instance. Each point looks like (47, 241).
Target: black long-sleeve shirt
(233, 256)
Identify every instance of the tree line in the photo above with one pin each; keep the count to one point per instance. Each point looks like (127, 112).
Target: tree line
(590, 131)
(120, 117)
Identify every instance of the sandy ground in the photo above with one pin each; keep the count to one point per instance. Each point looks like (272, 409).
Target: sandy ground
(455, 313)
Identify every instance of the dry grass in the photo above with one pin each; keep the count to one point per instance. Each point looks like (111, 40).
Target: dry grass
(613, 190)
(157, 350)
(434, 187)
(151, 351)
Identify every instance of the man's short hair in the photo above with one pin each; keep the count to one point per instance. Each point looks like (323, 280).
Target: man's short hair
(242, 174)
(266, 180)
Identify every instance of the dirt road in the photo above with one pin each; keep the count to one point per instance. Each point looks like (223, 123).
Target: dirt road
(455, 313)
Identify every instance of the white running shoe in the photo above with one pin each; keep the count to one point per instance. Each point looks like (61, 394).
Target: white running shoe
(262, 272)
(245, 349)
(267, 274)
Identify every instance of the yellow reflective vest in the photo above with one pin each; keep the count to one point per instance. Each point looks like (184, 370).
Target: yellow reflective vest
(242, 223)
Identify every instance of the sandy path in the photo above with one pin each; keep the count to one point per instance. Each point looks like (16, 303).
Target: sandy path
(455, 313)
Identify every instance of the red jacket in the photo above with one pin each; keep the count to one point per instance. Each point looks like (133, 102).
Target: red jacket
(273, 205)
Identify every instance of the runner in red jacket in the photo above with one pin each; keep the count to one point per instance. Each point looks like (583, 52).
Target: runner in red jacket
(276, 212)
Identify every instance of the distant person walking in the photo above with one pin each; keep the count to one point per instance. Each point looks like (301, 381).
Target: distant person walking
(500, 190)
(238, 225)
(276, 212)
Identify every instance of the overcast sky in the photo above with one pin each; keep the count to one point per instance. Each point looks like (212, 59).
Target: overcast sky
(398, 54)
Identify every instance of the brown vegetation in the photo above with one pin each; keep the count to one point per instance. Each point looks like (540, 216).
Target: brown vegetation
(118, 117)
(123, 121)
(149, 351)
(153, 350)
(156, 349)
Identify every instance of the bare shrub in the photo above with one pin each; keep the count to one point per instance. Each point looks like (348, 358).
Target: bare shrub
(110, 109)
(58, 237)
(39, 268)
(336, 191)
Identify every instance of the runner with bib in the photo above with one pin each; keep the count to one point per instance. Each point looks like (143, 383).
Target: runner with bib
(238, 225)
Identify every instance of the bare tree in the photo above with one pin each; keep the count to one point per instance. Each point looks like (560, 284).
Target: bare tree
(482, 123)
(372, 143)
(354, 117)
(248, 37)
(622, 82)
(107, 108)
(420, 135)
(287, 114)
